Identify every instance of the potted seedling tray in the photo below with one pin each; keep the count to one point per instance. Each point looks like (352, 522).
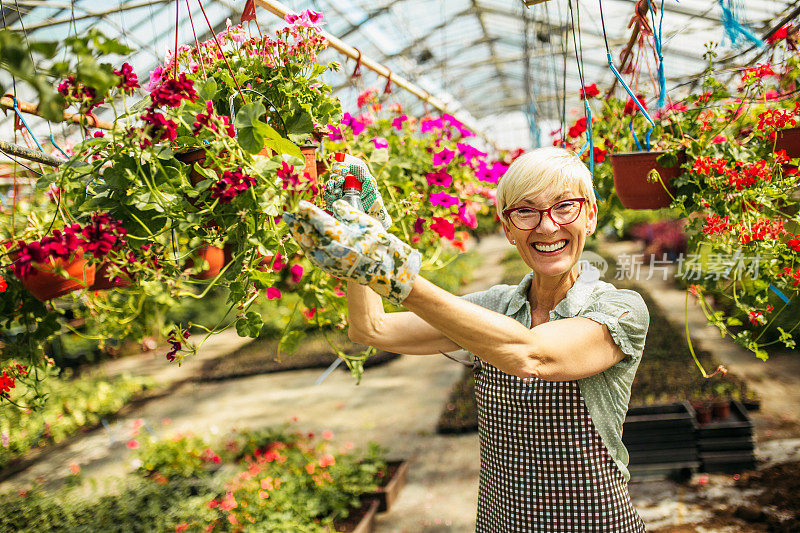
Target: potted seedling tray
(661, 440)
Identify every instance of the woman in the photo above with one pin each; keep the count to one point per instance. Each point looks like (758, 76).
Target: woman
(556, 354)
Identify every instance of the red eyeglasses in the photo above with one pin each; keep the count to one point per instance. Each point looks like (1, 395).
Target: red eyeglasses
(561, 213)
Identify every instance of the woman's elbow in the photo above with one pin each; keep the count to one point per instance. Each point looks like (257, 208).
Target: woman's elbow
(528, 367)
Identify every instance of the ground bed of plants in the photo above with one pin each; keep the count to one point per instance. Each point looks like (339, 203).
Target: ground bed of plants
(275, 479)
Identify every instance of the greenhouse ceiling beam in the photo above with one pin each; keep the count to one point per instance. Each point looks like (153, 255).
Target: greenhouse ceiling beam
(681, 10)
(378, 11)
(280, 10)
(420, 40)
(93, 14)
(492, 49)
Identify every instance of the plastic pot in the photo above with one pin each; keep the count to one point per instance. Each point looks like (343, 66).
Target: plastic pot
(310, 157)
(45, 283)
(215, 257)
(631, 170)
(789, 140)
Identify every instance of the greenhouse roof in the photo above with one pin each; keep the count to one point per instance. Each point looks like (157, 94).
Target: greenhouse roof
(506, 68)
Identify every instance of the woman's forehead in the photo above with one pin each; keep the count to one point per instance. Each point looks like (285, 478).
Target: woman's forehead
(547, 198)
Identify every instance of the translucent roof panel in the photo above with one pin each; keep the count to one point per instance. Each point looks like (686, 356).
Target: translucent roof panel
(485, 58)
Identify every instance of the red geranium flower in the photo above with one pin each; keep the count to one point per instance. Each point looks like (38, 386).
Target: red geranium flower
(590, 91)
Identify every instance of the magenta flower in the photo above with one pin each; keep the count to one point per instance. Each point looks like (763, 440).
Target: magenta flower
(273, 293)
(419, 225)
(354, 123)
(397, 122)
(469, 152)
(428, 124)
(161, 128)
(443, 158)
(156, 77)
(128, 80)
(231, 184)
(380, 142)
(171, 91)
(288, 176)
(441, 178)
(297, 272)
(443, 199)
(334, 133)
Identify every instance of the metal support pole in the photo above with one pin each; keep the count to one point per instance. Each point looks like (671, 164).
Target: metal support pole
(31, 155)
(8, 103)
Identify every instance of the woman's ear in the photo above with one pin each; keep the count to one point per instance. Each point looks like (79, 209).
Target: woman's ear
(510, 238)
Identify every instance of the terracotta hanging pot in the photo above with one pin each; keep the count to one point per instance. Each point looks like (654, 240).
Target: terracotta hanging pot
(215, 257)
(789, 140)
(103, 280)
(310, 157)
(630, 179)
(45, 283)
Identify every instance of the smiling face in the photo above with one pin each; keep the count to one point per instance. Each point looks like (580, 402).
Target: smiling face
(551, 249)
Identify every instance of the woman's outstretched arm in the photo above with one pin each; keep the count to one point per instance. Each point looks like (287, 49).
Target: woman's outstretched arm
(401, 332)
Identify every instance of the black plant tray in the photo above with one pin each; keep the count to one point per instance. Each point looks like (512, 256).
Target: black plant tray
(677, 455)
(738, 424)
(725, 444)
(677, 416)
(727, 462)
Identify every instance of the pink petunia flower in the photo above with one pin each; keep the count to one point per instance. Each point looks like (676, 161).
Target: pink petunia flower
(443, 227)
(380, 142)
(397, 122)
(443, 157)
(443, 199)
(419, 225)
(441, 178)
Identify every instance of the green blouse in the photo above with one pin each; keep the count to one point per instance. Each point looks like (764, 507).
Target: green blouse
(625, 315)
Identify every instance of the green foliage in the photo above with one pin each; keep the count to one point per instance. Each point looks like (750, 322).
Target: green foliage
(64, 406)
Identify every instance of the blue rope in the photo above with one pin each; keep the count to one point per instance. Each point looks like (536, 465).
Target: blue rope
(658, 43)
(53, 141)
(19, 114)
(735, 29)
(636, 101)
(635, 139)
(779, 293)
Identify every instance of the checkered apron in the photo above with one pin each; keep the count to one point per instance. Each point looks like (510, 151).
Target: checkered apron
(544, 467)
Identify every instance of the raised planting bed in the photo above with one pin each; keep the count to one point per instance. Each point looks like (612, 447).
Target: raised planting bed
(261, 357)
(361, 520)
(392, 482)
(661, 441)
(726, 445)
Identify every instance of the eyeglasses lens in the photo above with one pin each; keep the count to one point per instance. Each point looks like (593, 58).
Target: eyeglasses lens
(561, 213)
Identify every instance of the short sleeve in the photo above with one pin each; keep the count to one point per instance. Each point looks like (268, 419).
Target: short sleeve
(625, 314)
(494, 298)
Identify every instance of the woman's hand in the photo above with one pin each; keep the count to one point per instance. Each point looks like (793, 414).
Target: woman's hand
(358, 248)
(370, 197)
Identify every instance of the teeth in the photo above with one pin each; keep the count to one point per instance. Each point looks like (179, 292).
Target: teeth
(550, 247)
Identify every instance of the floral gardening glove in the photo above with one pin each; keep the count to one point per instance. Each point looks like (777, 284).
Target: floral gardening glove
(370, 197)
(358, 248)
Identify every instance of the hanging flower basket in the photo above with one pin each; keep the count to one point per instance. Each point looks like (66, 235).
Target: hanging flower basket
(631, 172)
(45, 283)
(104, 280)
(789, 140)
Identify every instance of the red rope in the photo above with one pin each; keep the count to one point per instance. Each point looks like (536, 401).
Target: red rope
(357, 71)
(199, 52)
(220, 51)
(175, 56)
(387, 89)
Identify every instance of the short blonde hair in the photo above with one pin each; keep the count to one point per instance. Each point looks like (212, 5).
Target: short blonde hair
(544, 170)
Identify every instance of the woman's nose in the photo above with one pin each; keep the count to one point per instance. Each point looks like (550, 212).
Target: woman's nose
(546, 225)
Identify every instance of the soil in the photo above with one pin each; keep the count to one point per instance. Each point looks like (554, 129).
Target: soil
(352, 521)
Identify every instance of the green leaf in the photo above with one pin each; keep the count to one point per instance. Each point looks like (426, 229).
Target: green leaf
(667, 160)
(206, 90)
(249, 325)
(281, 145)
(250, 131)
(379, 157)
(300, 123)
(290, 341)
